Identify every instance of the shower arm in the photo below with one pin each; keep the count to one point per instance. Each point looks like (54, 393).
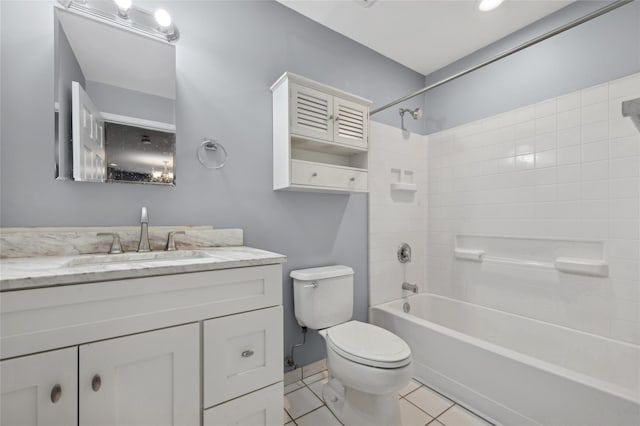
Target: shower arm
(509, 52)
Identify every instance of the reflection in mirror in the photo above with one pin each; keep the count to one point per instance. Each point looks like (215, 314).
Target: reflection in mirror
(114, 103)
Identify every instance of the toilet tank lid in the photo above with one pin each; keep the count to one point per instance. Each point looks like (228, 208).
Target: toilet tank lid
(324, 272)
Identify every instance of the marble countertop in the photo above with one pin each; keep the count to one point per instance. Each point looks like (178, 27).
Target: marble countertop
(32, 272)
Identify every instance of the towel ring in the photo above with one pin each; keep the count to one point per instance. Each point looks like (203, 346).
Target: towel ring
(207, 152)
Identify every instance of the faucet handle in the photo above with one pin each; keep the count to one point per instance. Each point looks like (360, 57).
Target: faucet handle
(116, 245)
(171, 242)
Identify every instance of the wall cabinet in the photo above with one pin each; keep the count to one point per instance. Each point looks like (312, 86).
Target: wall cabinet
(320, 137)
(137, 345)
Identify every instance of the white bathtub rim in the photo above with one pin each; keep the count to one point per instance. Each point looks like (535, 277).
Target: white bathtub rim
(594, 383)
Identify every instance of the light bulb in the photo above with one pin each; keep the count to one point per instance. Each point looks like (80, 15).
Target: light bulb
(123, 7)
(487, 5)
(162, 18)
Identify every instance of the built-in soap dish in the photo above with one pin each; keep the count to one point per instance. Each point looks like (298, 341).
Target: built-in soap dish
(402, 181)
(404, 187)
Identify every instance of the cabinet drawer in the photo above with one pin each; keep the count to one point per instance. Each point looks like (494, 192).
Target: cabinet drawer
(47, 318)
(260, 408)
(316, 174)
(241, 353)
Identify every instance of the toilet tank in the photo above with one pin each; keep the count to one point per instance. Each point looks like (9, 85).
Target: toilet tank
(323, 297)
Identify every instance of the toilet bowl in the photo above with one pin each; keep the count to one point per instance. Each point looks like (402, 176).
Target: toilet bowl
(367, 364)
(365, 375)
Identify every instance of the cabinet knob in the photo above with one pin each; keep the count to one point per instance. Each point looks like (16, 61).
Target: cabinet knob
(56, 393)
(246, 354)
(96, 382)
(352, 179)
(314, 174)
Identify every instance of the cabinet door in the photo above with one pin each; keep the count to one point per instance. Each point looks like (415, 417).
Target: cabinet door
(40, 389)
(260, 408)
(241, 353)
(144, 379)
(351, 123)
(311, 113)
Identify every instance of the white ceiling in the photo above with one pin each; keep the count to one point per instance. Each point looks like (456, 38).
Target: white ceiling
(424, 35)
(118, 57)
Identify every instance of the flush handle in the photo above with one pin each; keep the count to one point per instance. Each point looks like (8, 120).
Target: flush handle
(313, 284)
(246, 354)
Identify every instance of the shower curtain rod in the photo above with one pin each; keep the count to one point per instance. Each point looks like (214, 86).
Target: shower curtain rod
(608, 8)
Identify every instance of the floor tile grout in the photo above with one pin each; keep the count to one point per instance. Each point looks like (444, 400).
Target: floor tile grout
(433, 418)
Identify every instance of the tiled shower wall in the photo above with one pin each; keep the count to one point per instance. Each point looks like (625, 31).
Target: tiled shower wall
(565, 168)
(396, 216)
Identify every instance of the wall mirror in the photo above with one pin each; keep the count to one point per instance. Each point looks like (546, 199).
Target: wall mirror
(115, 92)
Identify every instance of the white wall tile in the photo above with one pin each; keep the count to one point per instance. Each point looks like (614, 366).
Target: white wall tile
(567, 102)
(594, 132)
(595, 151)
(568, 167)
(625, 147)
(568, 137)
(595, 113)
(595, 94)
(395, 218)
(595, 170)
(568, 155)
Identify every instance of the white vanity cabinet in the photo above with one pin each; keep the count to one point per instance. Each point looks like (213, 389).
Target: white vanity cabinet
(40, 389)
(141, 351)
(320, 137)
(146, 379)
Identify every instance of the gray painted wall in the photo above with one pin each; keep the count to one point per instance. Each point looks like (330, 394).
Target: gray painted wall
(118, 100)
(603, 49)
(228, 56)
(67, 69)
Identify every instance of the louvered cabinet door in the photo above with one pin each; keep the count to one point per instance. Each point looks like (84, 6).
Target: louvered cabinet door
(311, 113)
(350, 123)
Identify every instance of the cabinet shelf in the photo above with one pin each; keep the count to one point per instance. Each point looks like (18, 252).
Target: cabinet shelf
(319, 145)
(320, 137)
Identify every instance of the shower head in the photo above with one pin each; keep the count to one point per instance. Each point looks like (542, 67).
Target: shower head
(415, 113)
(631, 109)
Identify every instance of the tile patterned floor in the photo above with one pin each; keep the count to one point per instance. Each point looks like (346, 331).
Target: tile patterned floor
(419, 406)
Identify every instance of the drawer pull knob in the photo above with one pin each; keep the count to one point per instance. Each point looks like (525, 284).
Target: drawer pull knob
(314, 174)
(96, 382)
(352, 179)
(56, 393)
(247, 353)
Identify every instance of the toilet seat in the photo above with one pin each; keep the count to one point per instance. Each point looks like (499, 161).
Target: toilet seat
(368, 344)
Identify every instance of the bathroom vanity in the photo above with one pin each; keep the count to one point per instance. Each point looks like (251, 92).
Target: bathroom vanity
(163, 339)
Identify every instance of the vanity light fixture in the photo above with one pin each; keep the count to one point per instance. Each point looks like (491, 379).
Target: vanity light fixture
(163, 19)
(123, 7)
(488, 5)
(123, 13)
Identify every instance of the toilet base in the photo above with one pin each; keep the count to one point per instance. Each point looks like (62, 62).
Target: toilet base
(355, 408)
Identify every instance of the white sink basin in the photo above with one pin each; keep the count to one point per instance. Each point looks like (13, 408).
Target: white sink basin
(107, 259)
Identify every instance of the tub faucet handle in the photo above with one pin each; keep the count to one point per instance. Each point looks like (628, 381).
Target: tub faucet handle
(116, 245)
(410, 287)
(171, 241)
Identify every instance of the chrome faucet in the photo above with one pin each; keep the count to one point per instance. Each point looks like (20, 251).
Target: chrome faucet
(143, 245)
(410, 287)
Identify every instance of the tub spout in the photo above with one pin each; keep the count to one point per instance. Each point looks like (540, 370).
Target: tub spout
(410, 287)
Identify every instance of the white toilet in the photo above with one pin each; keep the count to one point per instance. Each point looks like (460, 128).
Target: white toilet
(367, 364)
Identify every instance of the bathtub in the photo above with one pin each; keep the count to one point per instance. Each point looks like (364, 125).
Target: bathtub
(515, 370)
